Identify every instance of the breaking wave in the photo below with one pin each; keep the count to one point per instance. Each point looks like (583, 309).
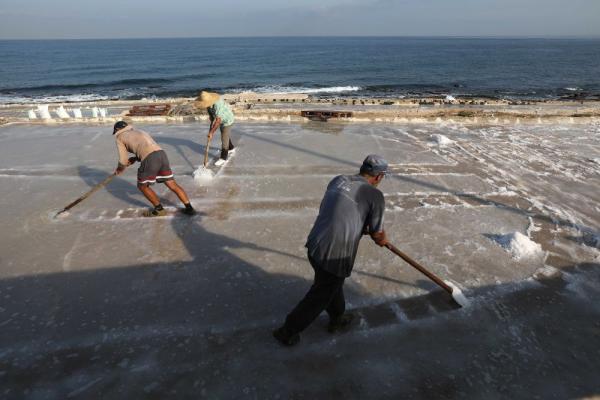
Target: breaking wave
(291, 89)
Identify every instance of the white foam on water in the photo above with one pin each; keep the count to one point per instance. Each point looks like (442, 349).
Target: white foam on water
(203, 175)
(276, 89)
(75, 98)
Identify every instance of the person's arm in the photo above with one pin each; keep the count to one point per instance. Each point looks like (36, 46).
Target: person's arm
(374, 226)
(124, 159)
(215, 123)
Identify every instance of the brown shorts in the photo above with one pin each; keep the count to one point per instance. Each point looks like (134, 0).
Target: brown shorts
(154, 168)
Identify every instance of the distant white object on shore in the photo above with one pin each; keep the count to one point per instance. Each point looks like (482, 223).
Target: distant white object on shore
(77, 113)
(450, 98)
(102, 112)
(43, 111)
(95, 112)
(31, 114)
(441, 140)
(62, 113)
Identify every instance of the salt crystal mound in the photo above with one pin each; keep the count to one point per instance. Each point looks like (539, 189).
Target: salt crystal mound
(62, 113)
(43, 111)
(203, 175)
(441, 140)
(519, 246)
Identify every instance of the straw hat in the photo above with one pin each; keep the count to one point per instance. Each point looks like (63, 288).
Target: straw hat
(206, 99)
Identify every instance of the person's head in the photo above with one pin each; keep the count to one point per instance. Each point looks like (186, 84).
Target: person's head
(206, 99)
(118, 126)
(374, 168)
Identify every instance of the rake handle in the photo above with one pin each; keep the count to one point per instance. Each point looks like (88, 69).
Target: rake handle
(418, 266)
(88, 194)
(206, 151)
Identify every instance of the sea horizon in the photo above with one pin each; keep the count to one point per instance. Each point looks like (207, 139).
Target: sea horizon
(98, 69)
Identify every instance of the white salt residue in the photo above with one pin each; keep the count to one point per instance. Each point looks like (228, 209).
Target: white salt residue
(203, 175)
(519, 245)
(583, 287)
(441, 140)
(545, 272)
(83, 388)
(62, 215)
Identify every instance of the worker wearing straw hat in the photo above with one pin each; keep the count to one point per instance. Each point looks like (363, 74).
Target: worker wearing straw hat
(221, 117)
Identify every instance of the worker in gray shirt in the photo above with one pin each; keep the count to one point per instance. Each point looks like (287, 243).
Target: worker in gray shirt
(352, 206)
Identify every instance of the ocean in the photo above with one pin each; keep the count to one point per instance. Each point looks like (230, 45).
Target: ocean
(45, 71)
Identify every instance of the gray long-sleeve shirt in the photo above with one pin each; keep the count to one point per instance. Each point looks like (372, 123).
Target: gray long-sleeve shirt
(350, 205)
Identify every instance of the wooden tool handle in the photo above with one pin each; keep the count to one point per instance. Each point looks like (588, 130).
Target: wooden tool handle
(206, 151)
(418, 266)
(88, 194)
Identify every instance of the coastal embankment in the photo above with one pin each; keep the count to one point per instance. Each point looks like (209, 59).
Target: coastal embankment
(251, 106)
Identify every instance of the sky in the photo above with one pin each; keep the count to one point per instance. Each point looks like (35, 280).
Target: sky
(82, 19)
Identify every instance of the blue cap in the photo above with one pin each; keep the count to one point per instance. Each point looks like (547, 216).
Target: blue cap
(374, 165)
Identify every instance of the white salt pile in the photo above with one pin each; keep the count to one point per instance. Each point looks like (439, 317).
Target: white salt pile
(203, 175)
(441, 140)
(62, 113)
(43, 111)
(519, 246)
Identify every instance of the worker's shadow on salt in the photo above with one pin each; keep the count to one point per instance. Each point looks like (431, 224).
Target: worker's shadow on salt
(183, 148)
(424, 284)
(120, 187)
(234, 290)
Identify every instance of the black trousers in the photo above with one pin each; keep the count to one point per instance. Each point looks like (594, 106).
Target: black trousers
(326, 293)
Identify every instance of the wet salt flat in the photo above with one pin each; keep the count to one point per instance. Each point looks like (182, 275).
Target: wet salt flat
(491, 208)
